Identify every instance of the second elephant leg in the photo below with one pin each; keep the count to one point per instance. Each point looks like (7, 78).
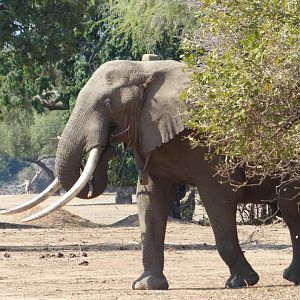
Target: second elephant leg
(154, 203)
(221, 210)
(291, 215)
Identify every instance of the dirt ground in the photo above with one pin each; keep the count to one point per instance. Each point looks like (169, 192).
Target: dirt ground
(66, 256)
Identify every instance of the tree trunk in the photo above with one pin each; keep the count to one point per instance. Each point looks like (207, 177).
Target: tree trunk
(188, 205)
(44, 168)
(124, 195)
(47, 170)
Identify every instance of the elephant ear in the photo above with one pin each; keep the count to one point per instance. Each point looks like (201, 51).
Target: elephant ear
(161, 117)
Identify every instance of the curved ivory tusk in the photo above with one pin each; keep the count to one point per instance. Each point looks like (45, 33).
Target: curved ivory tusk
(49, 191)
(76, 188)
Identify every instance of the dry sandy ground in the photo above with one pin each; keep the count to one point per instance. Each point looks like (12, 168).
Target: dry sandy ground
(64, 256)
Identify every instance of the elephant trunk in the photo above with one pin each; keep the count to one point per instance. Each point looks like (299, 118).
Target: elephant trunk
(84, 131)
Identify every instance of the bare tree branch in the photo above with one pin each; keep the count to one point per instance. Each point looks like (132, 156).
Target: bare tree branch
(51, 100)
(45, 157)
(55, 138)
(42, 165)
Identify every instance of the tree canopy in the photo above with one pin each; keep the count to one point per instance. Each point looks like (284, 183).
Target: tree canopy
(152, 26)
(245, 92)
(36, 36)
(40, 31)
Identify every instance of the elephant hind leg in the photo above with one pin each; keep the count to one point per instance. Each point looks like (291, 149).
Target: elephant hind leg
(221, 210)
(291, 215)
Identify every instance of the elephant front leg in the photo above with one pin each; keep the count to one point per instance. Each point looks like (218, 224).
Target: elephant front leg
(154, 203)
(221, 209)
(291, 215)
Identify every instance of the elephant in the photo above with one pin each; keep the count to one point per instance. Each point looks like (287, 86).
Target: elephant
(139, 103)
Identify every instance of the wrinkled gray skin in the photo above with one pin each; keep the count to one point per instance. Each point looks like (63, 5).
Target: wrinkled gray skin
(143, 96)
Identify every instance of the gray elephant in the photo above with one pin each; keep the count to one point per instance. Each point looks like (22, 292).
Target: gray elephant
(137, 103)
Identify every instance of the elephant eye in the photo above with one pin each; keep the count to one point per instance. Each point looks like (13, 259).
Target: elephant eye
(107, 103)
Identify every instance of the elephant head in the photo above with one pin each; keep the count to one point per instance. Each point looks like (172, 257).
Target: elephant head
(124, 101)
(131, 102)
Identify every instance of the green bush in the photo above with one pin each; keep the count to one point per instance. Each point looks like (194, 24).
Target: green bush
(245, 93)
(27, 135)
(122, 171)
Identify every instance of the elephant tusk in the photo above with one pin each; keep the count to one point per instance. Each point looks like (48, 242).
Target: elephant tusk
(49, 191)
(76, 188)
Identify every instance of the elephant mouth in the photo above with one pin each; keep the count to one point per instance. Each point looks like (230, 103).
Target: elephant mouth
(119, 137)
(80, 184)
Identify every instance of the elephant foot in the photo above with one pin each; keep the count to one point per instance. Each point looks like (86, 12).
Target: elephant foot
(292, 273)
(242, 279)
(148, 281)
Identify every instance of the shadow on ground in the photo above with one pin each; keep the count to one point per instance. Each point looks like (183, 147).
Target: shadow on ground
(5, 225)
(129, 247)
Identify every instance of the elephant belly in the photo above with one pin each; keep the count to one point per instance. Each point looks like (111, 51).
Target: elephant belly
(177, 162)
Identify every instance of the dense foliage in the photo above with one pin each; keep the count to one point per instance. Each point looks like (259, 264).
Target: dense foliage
(122, 171)
(37, 39)
(152, 26)
(245, 93)
(40, 31)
